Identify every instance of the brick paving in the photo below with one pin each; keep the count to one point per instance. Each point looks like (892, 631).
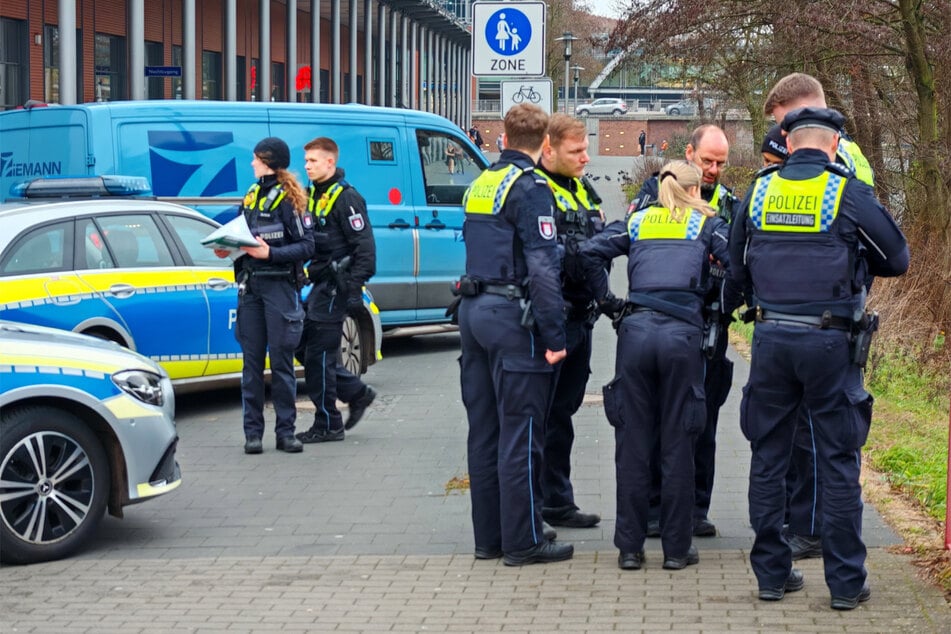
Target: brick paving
(365, 535)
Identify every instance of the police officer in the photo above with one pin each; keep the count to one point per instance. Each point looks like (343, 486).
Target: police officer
(577, 218)
(345, 260)
(270, 314)
(657, 395)
(709, 150)
(511, 325)
(808, 237)
(804, 500)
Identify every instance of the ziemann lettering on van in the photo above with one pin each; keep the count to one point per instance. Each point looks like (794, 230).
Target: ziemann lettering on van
(9, 167)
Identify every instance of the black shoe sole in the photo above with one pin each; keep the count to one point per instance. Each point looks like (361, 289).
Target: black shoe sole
(850, 603)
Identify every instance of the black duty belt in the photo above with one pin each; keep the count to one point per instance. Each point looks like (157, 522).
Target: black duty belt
(511, 291)
(823, 322)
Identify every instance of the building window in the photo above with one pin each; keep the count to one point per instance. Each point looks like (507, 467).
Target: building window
(177, 81)
(278, 82)
(13, 55)
(240, 83)
(51, 63)
(154, 56)
(211, 75)
(110, 67)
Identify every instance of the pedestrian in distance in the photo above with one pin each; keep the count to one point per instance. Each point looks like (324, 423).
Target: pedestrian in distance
(451, 152)
(345, 259)
(511, 323)
(642, 140)
(709, 150)
(270, 314)
(656, 398)
(500, 141)
(475, 136)
(578, 217)
(806, 242)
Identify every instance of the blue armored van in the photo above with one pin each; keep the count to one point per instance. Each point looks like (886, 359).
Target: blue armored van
(196, 150)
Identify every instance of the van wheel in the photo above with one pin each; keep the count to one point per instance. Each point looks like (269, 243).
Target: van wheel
(54, 483)
(351, 346)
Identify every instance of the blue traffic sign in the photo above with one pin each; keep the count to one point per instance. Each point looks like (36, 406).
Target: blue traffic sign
(508, 31)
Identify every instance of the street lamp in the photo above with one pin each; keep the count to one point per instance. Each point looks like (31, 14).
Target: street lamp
(577, 70)
(567, 38)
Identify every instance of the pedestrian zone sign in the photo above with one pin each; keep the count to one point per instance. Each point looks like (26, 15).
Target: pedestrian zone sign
(508, 39)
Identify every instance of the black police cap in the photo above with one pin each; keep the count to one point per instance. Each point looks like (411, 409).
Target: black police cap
(813, 118)
(775, 143)
(273, 152)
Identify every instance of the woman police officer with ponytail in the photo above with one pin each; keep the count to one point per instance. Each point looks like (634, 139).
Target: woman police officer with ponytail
(658, 386)
(270, 312)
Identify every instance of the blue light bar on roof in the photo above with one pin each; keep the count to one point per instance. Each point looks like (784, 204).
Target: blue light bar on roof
(82, 187)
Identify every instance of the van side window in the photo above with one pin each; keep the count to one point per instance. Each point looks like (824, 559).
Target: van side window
(381, 151)
(448, 166)
(43, 250)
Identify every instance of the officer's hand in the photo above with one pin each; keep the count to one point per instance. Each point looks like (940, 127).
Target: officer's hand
(611, 306)
(260, 252)
(355, 298)
(554, 357)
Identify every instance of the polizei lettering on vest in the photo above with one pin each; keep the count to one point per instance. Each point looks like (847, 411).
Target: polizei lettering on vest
(792, 202)
(790, 220)
(508, 64)
(658, 217)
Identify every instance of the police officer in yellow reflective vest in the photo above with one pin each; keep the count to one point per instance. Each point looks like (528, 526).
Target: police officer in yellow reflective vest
(577, 218)
(657, 394)
(345, 259)
(511, 325)
(709, 150)
(804, 504)
(804, 246)
(270, 313)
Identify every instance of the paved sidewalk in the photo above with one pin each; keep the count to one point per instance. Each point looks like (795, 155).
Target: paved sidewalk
(365, 535)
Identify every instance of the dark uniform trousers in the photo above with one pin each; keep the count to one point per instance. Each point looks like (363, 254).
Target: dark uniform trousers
(803, 505)
(506, 389)
(572, 377)
(327, 379)
(656, 394)
(269, 311)
(793, 364)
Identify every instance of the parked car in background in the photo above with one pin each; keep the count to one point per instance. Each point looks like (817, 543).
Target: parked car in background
(84, 425)
(605, 105)
(133, 270)
(688, 107)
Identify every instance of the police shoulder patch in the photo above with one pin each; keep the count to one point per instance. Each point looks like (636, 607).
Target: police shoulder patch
(308, 220)
(356, 221)
(546, 227)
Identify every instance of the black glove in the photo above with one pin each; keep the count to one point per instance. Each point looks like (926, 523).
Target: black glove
(354, 296)
(611, 306)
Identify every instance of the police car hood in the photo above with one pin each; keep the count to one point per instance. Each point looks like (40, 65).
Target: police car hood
(43, 341)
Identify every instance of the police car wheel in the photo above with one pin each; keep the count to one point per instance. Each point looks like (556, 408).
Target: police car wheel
(351, 346)
(54, 483)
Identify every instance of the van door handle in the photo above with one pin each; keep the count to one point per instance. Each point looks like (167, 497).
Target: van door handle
(219, 284)
(435, 224)
(122, 290)
(399, 224)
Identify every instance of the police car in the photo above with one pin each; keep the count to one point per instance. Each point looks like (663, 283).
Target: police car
(84, 425)
(92, 256)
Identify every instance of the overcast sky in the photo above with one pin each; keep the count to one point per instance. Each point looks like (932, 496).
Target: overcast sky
(606, 8)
